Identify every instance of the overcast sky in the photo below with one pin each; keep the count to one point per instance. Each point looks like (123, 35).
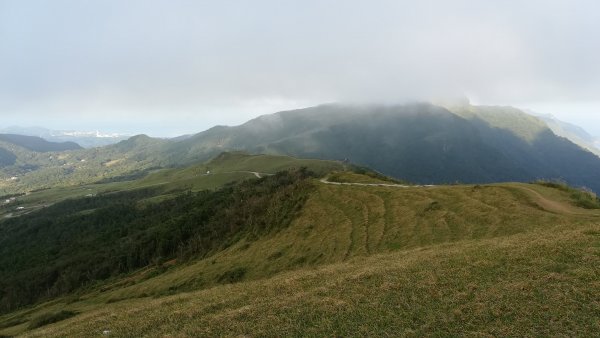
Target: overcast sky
(173, 67)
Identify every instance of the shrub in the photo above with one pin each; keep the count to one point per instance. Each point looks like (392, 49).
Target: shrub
(49, 318)
(556, 184)
(582, 197)
(232, 276)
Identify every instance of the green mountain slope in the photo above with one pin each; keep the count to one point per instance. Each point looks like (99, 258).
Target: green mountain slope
(168, 183)
(36, 170)
(51, 245)
(418, 142)
(7, 158)
(467, 236)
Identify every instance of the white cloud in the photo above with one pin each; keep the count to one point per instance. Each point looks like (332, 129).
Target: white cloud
(118, 61)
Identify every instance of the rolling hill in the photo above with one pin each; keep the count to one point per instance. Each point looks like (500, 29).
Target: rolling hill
(364, 257)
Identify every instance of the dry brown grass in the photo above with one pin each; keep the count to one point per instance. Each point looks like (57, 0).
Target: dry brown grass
(542, 283)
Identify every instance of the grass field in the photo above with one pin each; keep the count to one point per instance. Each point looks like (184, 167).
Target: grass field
(536, 284)
(505, 259)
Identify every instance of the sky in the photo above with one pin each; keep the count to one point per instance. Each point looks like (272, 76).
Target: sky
(174, 67)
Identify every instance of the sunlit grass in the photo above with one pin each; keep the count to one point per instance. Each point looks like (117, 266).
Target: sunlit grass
(542, 283)
(500, 259)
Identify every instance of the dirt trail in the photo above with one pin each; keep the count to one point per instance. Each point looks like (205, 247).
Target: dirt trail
(542, 201)
(255, 173)
(551, 205)
(324, 180)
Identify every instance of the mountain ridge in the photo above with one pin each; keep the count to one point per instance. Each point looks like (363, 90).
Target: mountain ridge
(468, 144)
(575, 133)
(38, 144)
(418, 142)
(86, 139)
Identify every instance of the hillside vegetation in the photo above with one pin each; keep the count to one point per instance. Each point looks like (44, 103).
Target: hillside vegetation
(56, 244)
(169, 183)
(358, 259)
(73, 243)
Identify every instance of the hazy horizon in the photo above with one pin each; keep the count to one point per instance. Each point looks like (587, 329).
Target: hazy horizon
(175, 131)
(167, 68)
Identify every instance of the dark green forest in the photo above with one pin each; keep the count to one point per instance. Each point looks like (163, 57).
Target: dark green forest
(78, 242)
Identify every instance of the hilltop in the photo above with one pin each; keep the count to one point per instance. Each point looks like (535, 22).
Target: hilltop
(391, 256)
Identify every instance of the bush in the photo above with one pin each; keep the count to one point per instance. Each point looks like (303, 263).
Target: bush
(582, 198)
(560, 185)
(585, 199)
(376, 175)
(49, 318)
(232, 276)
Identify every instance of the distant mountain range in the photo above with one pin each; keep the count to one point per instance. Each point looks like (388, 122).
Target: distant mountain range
(38, 144)
(572, 132)
(86, 139)
(419, 142)
(11, 144)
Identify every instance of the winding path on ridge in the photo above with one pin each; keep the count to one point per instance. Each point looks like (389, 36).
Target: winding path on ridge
(551, 205)
(255, 173)
(325, 181)
(544, 202)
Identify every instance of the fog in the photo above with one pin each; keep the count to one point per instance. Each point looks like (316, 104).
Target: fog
(175, 67)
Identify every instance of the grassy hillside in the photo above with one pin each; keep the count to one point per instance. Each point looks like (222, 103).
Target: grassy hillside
(51, 245)
(502, 259)
(75, 243)
(168, 183)
(536, 284)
